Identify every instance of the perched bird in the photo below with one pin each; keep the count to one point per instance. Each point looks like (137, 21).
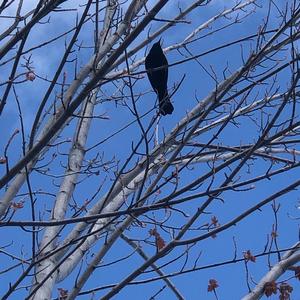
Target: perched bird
(159, 78)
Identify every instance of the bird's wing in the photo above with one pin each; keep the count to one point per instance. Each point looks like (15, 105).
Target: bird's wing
(149, 68)
(165, 71)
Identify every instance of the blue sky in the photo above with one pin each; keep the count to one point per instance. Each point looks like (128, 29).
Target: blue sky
(252, 233)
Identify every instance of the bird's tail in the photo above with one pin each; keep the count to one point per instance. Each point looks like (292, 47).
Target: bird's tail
(165, 105)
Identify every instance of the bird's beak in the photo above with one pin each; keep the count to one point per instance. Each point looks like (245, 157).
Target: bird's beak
(159, 41)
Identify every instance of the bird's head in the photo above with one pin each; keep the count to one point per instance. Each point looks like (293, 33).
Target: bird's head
(156, 46)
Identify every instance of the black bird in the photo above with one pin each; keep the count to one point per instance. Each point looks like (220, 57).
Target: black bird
(159, 78)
